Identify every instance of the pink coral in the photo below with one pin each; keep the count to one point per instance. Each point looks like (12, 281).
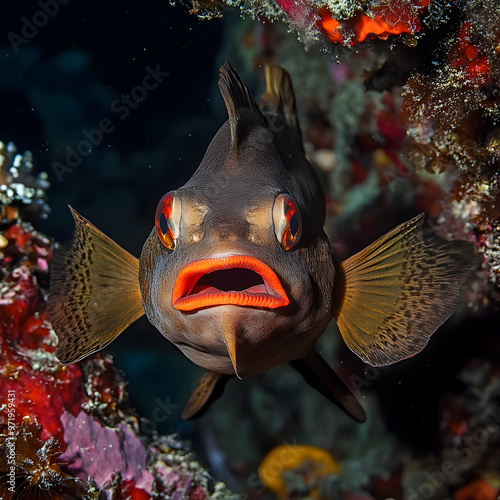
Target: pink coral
(99, 452)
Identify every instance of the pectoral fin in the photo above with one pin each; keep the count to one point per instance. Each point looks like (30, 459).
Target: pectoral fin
(318, 374)
(209, 389)
(94, 292)
(393, 295)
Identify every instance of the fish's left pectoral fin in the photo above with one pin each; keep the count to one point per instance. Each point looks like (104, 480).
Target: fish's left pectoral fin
(209, 389)
(94, 292)
(318, 374)
(393, 295)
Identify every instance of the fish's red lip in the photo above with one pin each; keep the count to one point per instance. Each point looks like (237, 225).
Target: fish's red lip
(239, 280)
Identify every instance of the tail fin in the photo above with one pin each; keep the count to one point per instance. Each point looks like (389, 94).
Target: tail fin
(280, 97)
(393, 295)
(94, 292)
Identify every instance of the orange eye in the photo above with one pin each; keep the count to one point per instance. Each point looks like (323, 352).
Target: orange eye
(167, 220)
(287, 221)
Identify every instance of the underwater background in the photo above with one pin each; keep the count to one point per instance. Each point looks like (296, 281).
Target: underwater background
(65, 81)
(400, 116)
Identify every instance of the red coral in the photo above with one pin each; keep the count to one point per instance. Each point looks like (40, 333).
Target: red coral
(18, 235)
(18, 302)
(198, 493)
(469, 58)
(129, 491)
(45, 393)
(23, 241)
(41, 394)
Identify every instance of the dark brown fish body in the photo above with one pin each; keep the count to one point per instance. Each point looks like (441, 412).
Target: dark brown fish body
(239, 274)
(235, 193)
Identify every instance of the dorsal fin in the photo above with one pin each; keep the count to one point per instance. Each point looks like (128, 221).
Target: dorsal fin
(238, 99)
(280, 98)
(94, 292)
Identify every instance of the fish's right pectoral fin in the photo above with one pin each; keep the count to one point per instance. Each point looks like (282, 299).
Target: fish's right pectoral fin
(94, 292)
(209, 389)
(393, 295)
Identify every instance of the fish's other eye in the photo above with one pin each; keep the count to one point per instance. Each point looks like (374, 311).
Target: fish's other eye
(167, 219)
(287, 221)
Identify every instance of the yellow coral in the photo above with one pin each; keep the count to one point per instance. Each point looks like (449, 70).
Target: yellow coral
(310, 462)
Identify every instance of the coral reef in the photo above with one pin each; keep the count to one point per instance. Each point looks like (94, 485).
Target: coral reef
(67, 432)
(451, 115)
(20, 190)
(320, 23)
(468, 463)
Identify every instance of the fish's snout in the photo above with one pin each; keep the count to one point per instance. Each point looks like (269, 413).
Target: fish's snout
(230, 231)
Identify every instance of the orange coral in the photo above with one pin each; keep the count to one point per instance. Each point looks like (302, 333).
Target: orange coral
(330, 26)
(476, 490)
(381, 22)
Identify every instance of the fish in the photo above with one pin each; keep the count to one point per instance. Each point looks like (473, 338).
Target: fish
(239, 274)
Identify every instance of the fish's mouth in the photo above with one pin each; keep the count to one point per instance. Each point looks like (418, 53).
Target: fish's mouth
(239, 280)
